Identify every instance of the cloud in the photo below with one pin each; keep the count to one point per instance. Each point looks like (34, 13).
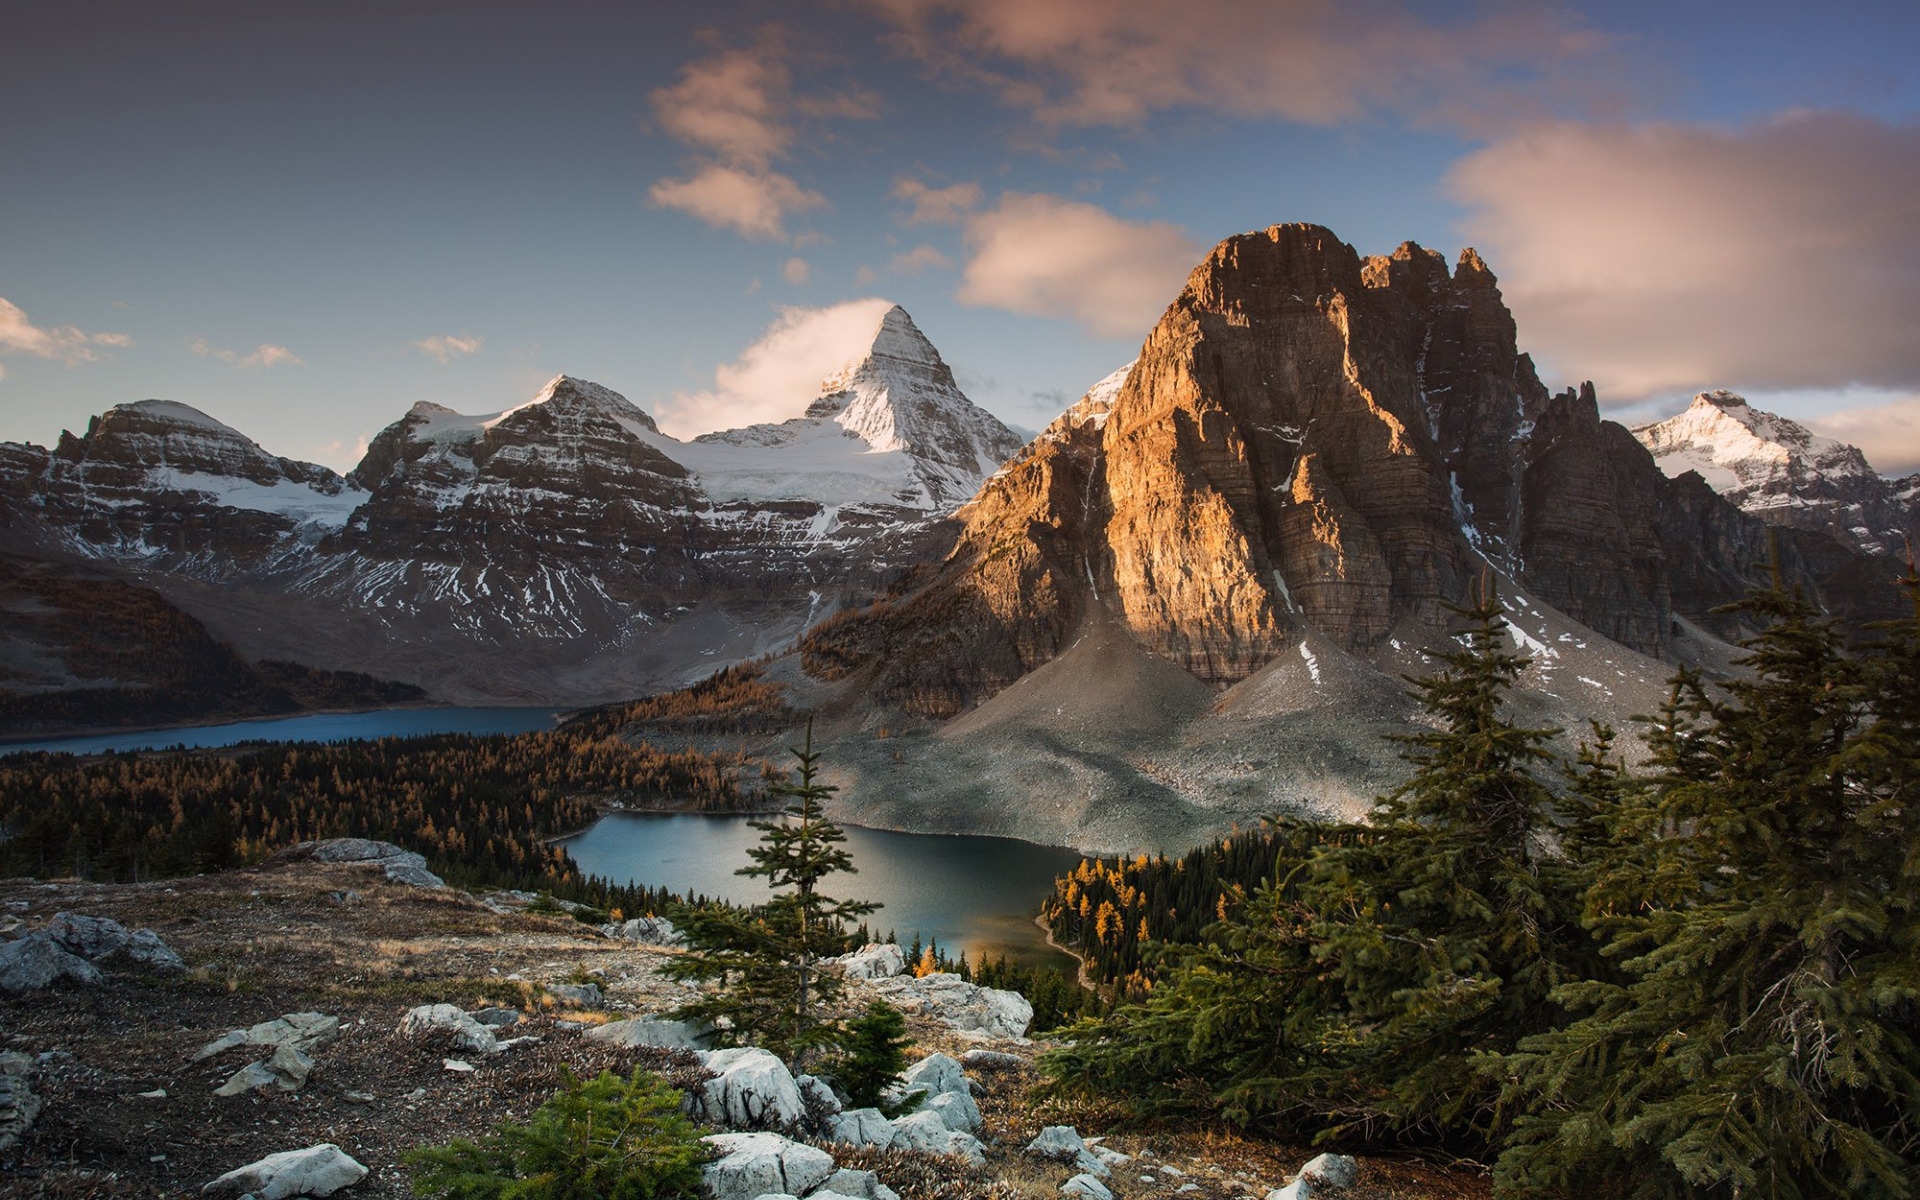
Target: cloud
(1077, 63)
(444, 348)
(1888, 432)
(1669, 258)
(752, 204)
(918, 259)
(66, 343)
(265, 355)
(780, 374)
(738, 110)
(1044, 256)
(796, 271)
(936, 206)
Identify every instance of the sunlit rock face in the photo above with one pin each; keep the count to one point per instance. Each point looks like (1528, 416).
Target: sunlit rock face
(1309, 440)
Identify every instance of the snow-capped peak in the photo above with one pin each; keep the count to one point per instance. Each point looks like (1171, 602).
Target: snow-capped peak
(175, 413)
(1775, 468)
(1742, 451)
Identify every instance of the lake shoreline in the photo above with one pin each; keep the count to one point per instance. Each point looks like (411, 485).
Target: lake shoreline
(51, 743)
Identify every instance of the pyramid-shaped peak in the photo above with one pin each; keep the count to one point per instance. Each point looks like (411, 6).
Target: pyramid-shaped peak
(900, 339)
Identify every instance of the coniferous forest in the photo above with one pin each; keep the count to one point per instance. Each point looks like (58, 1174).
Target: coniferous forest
(1695, 977)
(482, 809)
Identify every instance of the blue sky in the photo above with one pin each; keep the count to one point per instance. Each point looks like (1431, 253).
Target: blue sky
(304, 218)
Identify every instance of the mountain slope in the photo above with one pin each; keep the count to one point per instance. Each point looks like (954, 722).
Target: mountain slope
(564, 550)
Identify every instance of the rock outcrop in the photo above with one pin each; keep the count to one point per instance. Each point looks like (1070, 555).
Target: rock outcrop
(1309, 442)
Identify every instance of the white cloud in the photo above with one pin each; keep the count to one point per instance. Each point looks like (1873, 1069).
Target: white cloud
(780, 374)
(918, 259)
(752, 204)
(740, 111)
(1669, 258)
(1044, 256)
(1888, 432)
(444, 348)
(67, 343)
(1322, 62)
(265, 355)
(796, 271)
(936, 206)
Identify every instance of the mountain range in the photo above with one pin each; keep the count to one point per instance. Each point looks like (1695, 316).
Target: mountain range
(1186, 603)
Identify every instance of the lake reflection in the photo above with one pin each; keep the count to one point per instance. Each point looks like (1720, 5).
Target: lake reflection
(977, 894)
(312, 727)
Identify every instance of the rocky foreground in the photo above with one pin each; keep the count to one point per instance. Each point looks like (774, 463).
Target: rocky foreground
(293, 1029)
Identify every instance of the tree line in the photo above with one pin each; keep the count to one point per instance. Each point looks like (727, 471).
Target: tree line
(1697, 977)
(481, 808)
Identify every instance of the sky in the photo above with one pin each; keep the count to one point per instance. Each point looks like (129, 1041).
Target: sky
(302, 219)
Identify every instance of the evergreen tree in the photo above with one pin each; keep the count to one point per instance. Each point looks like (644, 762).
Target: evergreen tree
(771, 989)
(1353, 993)
(1760, 899)
(875, 1056)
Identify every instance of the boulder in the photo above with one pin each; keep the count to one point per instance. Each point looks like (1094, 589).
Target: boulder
(468, 1034)
(92, 938)
(978, 1059)
(751, 1165)
(1323, 1175)
(303, 1031)
(751, 1089)
(1086, 1185)
(315, 1171)
(817, 1096)
(860, 1127)
(579, 995)
(399, 865)
(959, 1005)
(945, 1089)
(496, 1018)
(929, 1132)
(286, 1070)
(648, 1031)
(1062, 1143)
(648, 931)
(877, 960)
(37, 961)
(860, 1185)
(145, 948)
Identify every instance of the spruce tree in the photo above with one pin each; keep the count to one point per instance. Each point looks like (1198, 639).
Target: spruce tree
(1353, 994)
(1759, 898)
(772, 991)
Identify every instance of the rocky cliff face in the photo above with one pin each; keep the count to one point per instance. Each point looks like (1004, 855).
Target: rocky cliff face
(1309, 442)
(1778, 471)
(165, 483)
(589, 554)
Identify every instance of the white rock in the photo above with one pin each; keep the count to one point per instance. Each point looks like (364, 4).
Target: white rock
(877, 960)
(286, 1070)
(755, 1164)
(1330, 1173)
(579, 995)
(1057, 1142)
(648, 1031)
(957, 1109)
(648, 931)
(926, 1131)
(468, 1034)
(860, 1185)
(991, 1060)
(860, 1127)
(304, 1031)
(1086, 1185)
(938, 1074)
(958, 1004)
(399, 865)
(752, 1089)
(315, 1171)
(89, 937)
(817, 1096)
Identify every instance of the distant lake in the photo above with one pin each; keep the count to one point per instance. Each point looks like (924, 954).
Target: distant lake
(978, 894)
(313, 727)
